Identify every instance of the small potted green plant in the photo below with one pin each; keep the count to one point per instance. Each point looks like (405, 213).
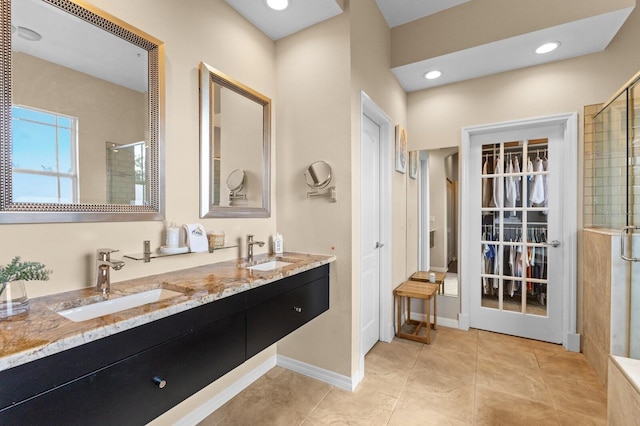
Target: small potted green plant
(13, 296)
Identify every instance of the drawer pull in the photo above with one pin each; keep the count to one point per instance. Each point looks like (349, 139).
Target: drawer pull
(158, 381)
(297, 309)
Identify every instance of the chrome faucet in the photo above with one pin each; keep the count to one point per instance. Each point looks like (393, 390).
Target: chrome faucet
(103, 265)
(250, 244)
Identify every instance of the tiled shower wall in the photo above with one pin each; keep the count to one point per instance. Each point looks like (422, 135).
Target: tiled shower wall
(120, 176)
(605, 174)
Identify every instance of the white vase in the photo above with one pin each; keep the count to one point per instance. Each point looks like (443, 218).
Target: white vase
(13, 300)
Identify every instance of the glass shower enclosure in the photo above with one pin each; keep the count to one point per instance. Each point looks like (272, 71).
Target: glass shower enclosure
(616, 185)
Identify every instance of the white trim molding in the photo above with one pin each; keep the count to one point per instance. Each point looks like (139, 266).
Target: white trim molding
(330, 377)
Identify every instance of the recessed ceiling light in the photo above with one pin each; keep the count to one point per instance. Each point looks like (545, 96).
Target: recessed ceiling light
(547, 47)
(278, 4)
(432, 75)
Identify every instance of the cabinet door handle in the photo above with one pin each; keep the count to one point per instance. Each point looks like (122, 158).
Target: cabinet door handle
(297, 309)
(160, 382)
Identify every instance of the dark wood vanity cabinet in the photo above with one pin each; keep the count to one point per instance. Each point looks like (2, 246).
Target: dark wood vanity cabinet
(136, 375)
(277, 310)
(187, 352)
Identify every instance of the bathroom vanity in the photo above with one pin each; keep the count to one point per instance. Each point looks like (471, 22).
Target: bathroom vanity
(130, 367)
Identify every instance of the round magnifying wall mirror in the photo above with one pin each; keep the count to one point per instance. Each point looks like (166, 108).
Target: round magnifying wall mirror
(318, 175)
(235, 181)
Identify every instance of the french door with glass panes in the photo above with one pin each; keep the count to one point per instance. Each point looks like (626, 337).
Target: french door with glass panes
(516, 251)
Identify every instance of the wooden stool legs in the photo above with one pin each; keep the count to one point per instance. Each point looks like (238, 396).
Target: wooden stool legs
(422, 291)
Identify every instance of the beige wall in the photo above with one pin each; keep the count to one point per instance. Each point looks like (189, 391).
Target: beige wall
(436, 116)
(313, 125)
(321, 72)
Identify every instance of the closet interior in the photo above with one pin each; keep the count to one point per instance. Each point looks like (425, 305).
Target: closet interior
(514, 226)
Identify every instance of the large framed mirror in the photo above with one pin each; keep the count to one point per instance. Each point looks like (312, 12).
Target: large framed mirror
(82, 116)
(235, 140)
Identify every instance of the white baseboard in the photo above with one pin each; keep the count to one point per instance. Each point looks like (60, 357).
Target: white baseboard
(200, 413)
(572, 342)
(390, 332)
(335, 379)
(330, 377)
(463, 321)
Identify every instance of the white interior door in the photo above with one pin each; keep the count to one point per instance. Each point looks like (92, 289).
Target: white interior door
(370, 234)
(516, 245)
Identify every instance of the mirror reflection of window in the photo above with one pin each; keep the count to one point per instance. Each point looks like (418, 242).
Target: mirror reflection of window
(44, 149)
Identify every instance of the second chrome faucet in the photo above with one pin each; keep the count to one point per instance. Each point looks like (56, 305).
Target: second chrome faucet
(250, 244)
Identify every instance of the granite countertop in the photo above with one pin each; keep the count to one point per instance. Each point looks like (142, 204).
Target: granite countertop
(42, 332)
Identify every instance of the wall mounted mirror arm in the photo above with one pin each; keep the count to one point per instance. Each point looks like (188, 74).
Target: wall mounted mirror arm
(99, 163)
(318, 176)
(235, 184)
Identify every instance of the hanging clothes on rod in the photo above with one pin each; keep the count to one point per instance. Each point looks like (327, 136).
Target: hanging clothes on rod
(537, 193)
(545, 163)
(487, 190)
(495, 199)
(518, 179)
(529, 178)
(510, 188)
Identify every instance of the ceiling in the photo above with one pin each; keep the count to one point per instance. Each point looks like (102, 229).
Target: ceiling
(581, 37)
(71, 42)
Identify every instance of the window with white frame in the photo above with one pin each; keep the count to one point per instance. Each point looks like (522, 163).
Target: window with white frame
(44, 162)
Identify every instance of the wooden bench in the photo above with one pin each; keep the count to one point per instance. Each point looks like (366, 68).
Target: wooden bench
(417, 290)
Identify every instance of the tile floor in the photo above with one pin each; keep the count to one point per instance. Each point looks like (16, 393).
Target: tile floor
(462, 378)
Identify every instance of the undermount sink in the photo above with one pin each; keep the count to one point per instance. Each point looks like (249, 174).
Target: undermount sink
(269, 266)
(81, 311)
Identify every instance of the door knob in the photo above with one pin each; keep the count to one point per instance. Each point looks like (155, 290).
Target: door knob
(379, 245)
(297, 309)
(554, 243)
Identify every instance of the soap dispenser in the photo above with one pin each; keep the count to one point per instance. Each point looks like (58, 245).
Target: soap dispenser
(277, 244)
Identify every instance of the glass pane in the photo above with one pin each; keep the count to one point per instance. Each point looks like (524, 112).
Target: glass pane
(64, 151)
(512, 299)
(64, 122)
(66, 191)
(34, 188)
(489, 231)
(491, 298)
(33, 115)
(34, 146)
(537, 299)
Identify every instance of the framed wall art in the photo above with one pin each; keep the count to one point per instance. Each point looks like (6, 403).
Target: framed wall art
(401, 149)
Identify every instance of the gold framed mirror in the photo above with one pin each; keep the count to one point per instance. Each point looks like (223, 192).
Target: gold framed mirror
(235, 134)
(82, 116)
